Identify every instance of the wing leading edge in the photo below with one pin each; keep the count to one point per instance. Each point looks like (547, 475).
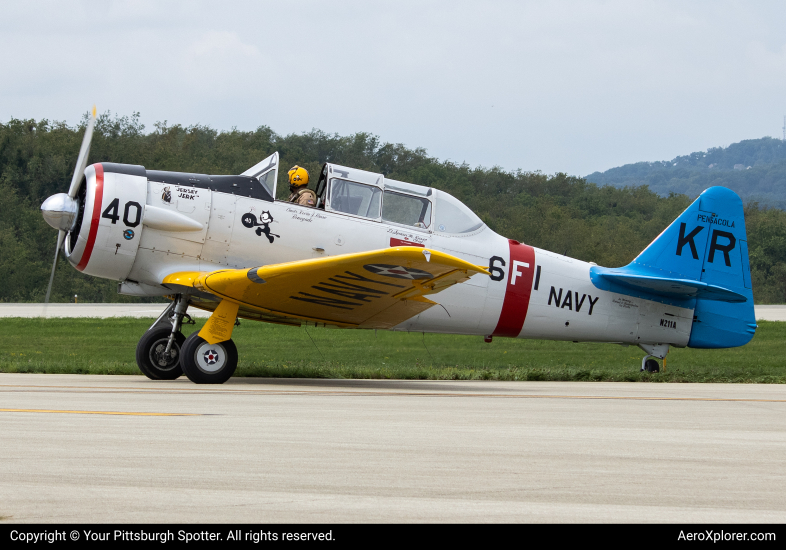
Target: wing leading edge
(376, 289)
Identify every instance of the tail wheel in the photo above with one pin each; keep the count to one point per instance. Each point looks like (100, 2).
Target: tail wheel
(651, 365)
(151, 356)
(205, 363)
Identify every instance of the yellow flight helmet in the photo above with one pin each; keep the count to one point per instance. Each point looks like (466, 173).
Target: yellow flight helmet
(298, 177)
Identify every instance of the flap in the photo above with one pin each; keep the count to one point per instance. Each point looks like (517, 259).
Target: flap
(376, 289)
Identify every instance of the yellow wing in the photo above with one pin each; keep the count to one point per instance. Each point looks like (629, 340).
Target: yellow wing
(377, 289)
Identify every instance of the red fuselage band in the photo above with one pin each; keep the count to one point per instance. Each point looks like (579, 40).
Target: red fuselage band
(518, 289)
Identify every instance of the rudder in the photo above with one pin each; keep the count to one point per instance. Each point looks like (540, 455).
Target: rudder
(726, 263)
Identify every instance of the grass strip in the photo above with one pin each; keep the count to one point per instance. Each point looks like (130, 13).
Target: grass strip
(107, 346)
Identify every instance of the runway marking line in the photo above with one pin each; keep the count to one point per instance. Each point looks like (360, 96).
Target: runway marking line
(384, 393)
(99, 412)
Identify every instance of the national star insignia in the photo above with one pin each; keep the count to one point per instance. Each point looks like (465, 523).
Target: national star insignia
(211, 357)
(397, 271)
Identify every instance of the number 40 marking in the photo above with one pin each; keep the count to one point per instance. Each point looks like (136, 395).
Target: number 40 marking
(111, 212)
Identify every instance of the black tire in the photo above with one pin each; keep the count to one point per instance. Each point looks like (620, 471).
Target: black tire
(651, 366)
(152, 365)
(205, 363)
(249, 220)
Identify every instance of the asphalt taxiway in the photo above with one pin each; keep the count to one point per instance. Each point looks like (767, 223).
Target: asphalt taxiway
(128, 449)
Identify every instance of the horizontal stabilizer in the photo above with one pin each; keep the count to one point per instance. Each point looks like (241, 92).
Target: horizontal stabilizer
(672, 288)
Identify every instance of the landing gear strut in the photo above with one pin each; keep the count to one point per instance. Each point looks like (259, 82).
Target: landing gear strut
(158, 351)
(654, 352)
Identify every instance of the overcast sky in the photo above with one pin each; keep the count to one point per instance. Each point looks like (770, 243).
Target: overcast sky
(553, 86)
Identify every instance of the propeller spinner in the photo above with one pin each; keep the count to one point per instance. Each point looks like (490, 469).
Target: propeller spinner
(60, 210)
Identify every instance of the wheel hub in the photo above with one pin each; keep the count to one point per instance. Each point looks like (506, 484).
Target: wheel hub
(210, 358)
(160, 358)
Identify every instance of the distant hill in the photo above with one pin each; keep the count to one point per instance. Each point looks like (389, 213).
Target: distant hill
(754, 168)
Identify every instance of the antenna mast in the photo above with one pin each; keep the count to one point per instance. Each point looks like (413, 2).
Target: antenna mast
(784, 128)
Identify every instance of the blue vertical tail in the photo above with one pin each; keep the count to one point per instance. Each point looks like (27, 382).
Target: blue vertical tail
(700, 261)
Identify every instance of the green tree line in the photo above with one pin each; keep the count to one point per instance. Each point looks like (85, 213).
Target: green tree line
(565, 214)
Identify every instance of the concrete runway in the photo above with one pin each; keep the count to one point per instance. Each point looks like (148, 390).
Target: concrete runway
(763, 313)
(127, 449)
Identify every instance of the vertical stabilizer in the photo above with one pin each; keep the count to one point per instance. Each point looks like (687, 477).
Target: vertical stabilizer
(708, 243)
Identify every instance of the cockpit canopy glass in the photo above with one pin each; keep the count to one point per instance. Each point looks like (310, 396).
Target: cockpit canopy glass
(406, 209)
(452, 216)
(268, 180)
(370, 195)
(355, 198)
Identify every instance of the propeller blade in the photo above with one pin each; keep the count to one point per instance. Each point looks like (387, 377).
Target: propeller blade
(79, 172)
(60, 236)
(81, 162)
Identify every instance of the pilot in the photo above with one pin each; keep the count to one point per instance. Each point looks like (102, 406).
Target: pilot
(301, 194)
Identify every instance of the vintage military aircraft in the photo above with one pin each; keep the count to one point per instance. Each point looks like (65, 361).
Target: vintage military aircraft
(379, 253)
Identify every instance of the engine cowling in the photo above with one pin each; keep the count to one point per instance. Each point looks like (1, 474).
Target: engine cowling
(105, 238)
(117, 203)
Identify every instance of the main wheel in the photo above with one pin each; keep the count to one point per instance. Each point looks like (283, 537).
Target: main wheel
(651, 366)
(205, 363)
(151, 358)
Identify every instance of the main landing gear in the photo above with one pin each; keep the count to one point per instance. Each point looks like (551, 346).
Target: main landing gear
(163, 353)
(654, 352)
(158, 351)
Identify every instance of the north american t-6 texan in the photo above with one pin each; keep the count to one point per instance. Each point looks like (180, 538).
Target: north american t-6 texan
(376, 253)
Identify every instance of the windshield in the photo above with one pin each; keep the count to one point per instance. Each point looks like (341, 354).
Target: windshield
(452, 216)
(268, 180)
(406, 210)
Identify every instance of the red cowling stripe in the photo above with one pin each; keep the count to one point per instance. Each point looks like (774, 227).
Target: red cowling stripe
(94, 218)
